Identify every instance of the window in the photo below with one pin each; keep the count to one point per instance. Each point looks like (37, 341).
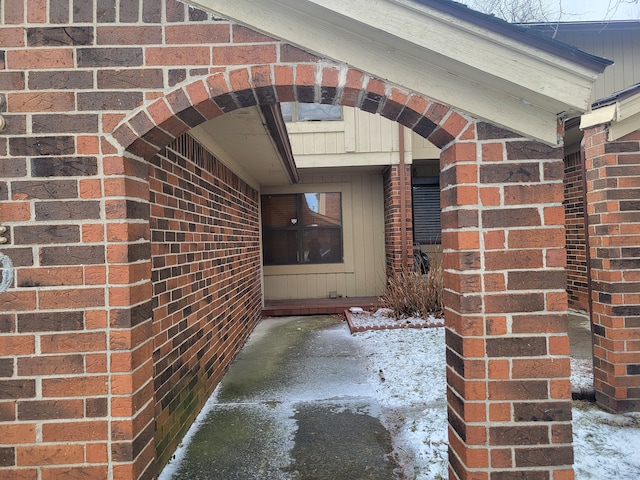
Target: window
(426, 210)
(304, 228)
(310, 112)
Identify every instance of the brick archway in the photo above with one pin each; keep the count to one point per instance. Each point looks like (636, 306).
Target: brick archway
(222, 92)
(87, 112)
(507, 347)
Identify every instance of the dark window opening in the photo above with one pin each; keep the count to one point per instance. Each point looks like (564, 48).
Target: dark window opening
(310, 112)
(426, 210)
(304, 228)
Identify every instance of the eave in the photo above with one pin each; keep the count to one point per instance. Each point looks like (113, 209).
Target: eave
(468, 64)
(620, 113)
(253, 142)
(277, 128)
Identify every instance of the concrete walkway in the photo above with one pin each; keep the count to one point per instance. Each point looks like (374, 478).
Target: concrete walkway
(580, 336)
(294, 405)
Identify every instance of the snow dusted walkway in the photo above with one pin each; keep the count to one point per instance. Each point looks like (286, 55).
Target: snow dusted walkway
(411, 399)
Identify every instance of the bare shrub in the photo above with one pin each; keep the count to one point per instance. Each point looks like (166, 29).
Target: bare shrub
(409, 293)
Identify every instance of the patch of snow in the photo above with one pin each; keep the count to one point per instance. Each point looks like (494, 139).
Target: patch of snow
(605, 445)
(581, 372)
(414, 411)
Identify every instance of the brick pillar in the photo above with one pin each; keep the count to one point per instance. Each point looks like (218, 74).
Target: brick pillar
(393, 220)
(613, 197)
(130, 347)
(508, 368)
(577, 278)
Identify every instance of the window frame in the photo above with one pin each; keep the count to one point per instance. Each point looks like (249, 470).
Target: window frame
(302, 230)
(295, 113)
(348, 249)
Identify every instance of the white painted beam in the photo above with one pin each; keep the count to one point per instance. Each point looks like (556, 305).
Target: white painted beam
(442, 59)
(621, 118)
(467, 48)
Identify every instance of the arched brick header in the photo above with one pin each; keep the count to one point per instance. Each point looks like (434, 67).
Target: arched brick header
(498, 190)
(494, 257)
(224, 91)
(150, 129)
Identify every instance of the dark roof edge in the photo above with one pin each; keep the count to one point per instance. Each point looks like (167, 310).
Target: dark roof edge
(617, 96)
(278, 131)
(519, 33)
(591, 25)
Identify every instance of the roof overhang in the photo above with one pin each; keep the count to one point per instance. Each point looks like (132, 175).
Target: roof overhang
(549, 28)
(620, 113)
(439, 49)
(253, 142)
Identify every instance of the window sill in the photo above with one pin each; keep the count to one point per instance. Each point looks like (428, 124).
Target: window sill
(272, 270)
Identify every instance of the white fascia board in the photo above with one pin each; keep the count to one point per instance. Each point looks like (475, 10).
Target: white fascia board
(628, 118)
(600, 116)
(468, 45)
(378, 159)
(629, 107)
(618, 130)
(621, 118)
(500, 100)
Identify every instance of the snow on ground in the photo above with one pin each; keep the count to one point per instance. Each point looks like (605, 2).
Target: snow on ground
(606, 446)
(383, 318)
(415, 410)
(581, 372)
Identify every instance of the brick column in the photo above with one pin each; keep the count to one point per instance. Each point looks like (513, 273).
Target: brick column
(393, 220)
(130, 347)
(507, 345)
(577, 277)
(613, 197)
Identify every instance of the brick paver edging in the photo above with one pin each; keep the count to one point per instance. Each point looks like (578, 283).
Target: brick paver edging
(394, 326)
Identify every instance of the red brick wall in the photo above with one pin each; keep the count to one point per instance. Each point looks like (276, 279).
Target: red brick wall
(613, 186)
(577, 280)
(94, 92)
(205, 249)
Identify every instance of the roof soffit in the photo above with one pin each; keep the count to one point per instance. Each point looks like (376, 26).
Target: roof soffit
(453, 61)
(244, 141)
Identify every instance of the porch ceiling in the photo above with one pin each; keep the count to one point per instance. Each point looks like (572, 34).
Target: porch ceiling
(438, 49)
(243, 141)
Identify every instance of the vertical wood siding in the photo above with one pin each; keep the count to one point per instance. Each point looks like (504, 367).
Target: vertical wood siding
(621, 46)
(358, 132)
(363, 271)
